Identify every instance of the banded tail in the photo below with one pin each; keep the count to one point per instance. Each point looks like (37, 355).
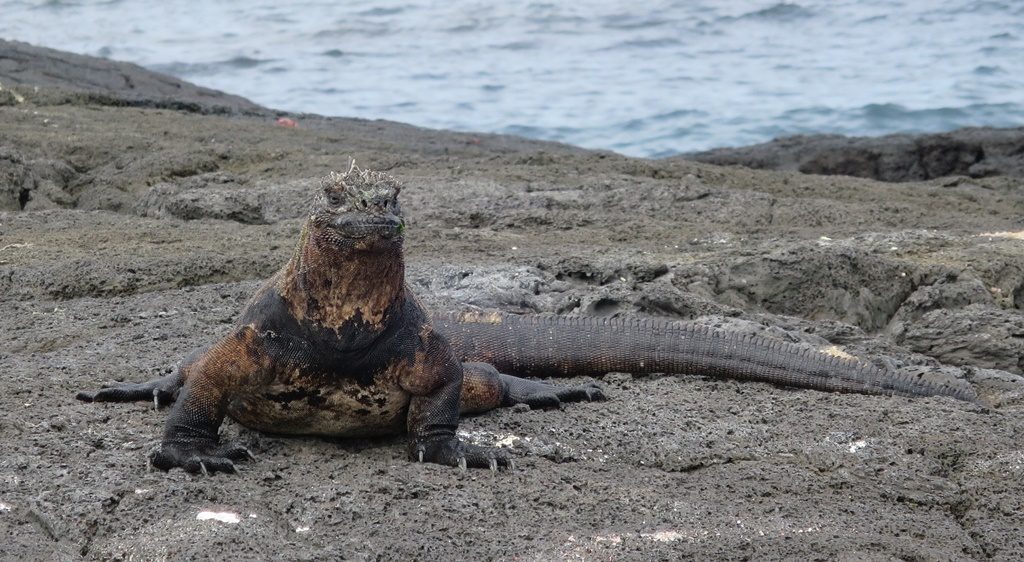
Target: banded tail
(558, 346)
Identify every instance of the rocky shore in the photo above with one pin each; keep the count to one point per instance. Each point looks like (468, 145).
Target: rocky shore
(138, 212)
(973, 152)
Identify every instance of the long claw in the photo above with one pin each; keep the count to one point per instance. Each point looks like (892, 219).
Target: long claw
(462, 464)
(494, 464)
(156, 399)
(421, 455)
(511, 464)
(202, 467)
(249, 454)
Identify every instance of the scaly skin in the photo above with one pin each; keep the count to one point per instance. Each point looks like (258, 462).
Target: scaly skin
(558, 346)
(336, 344)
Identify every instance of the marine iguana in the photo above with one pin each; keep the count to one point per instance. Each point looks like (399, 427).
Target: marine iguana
(336, 344)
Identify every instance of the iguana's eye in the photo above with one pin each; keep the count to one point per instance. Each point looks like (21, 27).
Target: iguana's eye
(334, 199)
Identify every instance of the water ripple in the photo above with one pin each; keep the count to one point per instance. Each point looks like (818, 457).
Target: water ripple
(666, 77)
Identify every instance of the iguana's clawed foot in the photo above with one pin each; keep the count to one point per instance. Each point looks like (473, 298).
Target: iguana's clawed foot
(452, 452)
(199, 456)
(161, 391)
(590, 392)
(540, 395)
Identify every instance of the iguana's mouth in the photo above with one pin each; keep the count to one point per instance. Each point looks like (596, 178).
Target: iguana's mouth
(384, 227)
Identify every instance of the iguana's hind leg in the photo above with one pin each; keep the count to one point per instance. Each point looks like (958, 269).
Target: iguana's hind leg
(484, 388)
(162, 391)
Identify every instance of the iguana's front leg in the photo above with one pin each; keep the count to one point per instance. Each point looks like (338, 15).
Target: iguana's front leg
(190, 438)
(435, 382)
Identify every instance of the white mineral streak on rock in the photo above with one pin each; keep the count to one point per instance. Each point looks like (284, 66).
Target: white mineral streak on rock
(222, 516)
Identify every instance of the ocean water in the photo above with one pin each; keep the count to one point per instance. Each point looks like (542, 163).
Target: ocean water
(650, 78)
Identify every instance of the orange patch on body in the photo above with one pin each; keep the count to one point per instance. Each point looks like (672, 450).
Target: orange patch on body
(228, 365)
(481, 317)
(414, 375)
(835, 351)
(481, 392)
(229, 361)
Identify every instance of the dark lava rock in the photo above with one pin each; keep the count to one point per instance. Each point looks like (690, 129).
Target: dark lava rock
(975, 152)
(108, 82)
(978, 335)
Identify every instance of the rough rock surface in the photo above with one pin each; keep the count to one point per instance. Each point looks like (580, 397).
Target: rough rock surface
(972, 152)
(71, 78)
(129, 236)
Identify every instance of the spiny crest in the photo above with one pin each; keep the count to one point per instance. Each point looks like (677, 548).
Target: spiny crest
(359, 186)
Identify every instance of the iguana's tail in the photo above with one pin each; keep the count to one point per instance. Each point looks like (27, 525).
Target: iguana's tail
(553, 346)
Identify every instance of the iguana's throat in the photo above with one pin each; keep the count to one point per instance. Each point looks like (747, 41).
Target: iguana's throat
(354, 285)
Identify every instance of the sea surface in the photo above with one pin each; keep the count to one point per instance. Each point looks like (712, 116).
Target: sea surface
(645, 78)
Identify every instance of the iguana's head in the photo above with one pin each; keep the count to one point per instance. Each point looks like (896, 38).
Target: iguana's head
(348, 264)
(358, 208)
